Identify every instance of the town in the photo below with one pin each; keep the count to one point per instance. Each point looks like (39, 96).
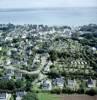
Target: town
(51, 59)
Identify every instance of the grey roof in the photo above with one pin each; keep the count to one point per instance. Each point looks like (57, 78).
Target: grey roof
(58, 80)
(90, 81)
(2, 95)
(45, 84)
(20, 93)
(6, 77)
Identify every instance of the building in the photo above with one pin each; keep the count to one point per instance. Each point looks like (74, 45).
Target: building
(47, 67)
(18, 75)
(5, 96)
(71, 83)
(0, 48)
(46, 85)
(10, 72)
(58, 82)
(6, 77)
(20, 94)
(91, 83)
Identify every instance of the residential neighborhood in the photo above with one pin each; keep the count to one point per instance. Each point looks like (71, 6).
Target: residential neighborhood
(41, 58)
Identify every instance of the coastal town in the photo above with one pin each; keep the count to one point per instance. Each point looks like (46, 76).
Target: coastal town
(51, 59)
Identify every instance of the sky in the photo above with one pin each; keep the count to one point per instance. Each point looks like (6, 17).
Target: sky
(46, 3)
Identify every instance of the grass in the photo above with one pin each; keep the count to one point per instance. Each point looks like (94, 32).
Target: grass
(47, 96)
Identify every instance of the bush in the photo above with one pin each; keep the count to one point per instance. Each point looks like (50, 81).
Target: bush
(80, 91)
(30, 96)
(91, 92)
(56, 91)
(68, 91)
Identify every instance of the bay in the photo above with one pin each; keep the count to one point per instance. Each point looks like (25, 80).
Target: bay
(54, 16)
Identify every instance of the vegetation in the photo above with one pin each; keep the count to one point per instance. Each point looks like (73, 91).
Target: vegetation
(30, 96)
(69, 54)
(47, 96)
(11, 84)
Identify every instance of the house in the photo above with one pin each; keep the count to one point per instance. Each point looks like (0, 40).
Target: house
(94, 49)
(71, 83)
(8, 38)
(46, 85)
(20, 94)
(8, 62)
(44, 58)
(5, 96)
(9, 72)
(0, 48)
(18, 75)
(24, 36)
(58, 82)
(37, 58)
(91, 83)
(6, 77)
(47, 66)
(9, 53)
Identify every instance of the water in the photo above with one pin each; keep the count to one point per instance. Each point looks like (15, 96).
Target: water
(65, 16)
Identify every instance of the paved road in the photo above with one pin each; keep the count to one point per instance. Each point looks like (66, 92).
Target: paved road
(28, 72)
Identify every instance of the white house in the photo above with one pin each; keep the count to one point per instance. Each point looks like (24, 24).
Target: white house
(91, 83)
(0, 48)
(20, 94)
(71, 83)
(46, 85)
(5, 96)
(6, 77)
(10, 72)
(47, 66)
(58, 82)
(18, 75)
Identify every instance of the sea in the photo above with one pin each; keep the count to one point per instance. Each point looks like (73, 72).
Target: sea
(72, 16)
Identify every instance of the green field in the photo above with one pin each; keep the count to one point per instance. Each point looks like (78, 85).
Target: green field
(47, 96)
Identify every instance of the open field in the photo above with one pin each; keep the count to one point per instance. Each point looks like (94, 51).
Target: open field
(78, 97)
(47, 96)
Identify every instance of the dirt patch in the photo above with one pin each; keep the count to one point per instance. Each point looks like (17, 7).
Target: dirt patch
(77, 97)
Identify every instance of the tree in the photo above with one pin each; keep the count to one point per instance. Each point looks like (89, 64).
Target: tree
(7, 85)
(53, 55)
(11, 85)
(28, 86)
(3, 84)
(31, 77)
(30, 96)
(80, 91)
(19, 84)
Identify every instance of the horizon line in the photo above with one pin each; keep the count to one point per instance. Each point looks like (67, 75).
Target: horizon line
(37, 8)
(54, 7)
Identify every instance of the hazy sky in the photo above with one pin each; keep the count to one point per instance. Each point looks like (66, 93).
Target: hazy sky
(46, 3)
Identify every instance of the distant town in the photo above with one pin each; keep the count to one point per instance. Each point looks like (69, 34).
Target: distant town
(37, 60)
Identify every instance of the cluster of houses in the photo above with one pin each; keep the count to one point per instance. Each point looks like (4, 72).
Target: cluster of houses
(18, 42)
(39, 29)
(9, 73)
(49, 85)
(7, 96)
(69, 83)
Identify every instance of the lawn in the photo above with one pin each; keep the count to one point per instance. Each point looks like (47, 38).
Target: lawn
(47, 96)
